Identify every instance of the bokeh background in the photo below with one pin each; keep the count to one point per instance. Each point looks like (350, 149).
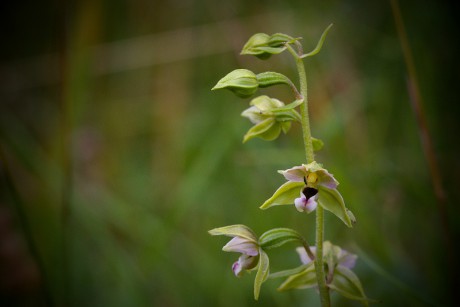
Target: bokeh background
(116, 158)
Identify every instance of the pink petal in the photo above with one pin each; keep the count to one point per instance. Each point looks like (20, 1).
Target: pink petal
(241, 245)
(296, 174)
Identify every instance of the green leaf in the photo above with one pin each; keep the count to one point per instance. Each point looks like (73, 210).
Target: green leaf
(348, 284)
(269, 78)
(331, 200)
(317, 144)
(242, 82)
(285, 195)
(279, 236)
(263, 130)
(263, 271)
(320, 43)
(235, 231)
(303, 280)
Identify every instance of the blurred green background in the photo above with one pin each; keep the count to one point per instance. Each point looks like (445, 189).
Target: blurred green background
(116, 158)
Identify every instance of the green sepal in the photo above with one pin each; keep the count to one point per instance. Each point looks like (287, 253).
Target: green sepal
(284, 195)
(289, 107)
(235, 231)
(303, 280)
(269, 78)
(285, 126)
(317, 144)
(289, 272)
(348, 284)
(266, 129)
(331, 200)
(279, 236)
(242, 82)
(319, 45)
(279, 39)
(263, 270)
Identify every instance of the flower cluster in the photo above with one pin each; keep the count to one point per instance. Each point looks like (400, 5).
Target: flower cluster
(308, 187)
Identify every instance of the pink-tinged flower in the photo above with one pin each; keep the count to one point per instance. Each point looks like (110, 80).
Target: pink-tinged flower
(317, 187)
(250, 254)
(243, 241)
(338, 256)
(313, 174)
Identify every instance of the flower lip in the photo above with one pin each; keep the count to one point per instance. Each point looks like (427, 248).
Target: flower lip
(307, 202)
(309, 192)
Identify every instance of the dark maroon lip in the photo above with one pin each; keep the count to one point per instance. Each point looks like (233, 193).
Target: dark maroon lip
(309, 192)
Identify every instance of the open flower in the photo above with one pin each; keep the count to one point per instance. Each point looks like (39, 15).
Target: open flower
(334, 257)
(312, 175)
(308, 186)
(339, 256)
(243, 241)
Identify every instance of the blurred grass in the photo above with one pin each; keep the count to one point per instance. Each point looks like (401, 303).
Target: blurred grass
(155, 158)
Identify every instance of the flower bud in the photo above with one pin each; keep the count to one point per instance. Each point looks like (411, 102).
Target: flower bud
(242, 82)
(263, 46)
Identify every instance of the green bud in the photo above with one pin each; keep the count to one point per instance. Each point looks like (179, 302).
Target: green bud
(242, 82)
(270, 117)
(263, 46)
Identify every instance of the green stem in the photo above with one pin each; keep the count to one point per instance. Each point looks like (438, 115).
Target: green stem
(319, 263)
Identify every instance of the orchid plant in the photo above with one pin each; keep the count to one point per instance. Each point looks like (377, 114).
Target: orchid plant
(309, 187)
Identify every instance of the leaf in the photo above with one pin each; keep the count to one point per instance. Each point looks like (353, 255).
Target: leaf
(279, 236)
(348, 284)
(285, 195)
(331, 200)
(235, 231)
(320, 43)
(262, 272)
(303, 280)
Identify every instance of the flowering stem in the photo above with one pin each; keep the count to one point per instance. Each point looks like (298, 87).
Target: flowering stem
(319, 263)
